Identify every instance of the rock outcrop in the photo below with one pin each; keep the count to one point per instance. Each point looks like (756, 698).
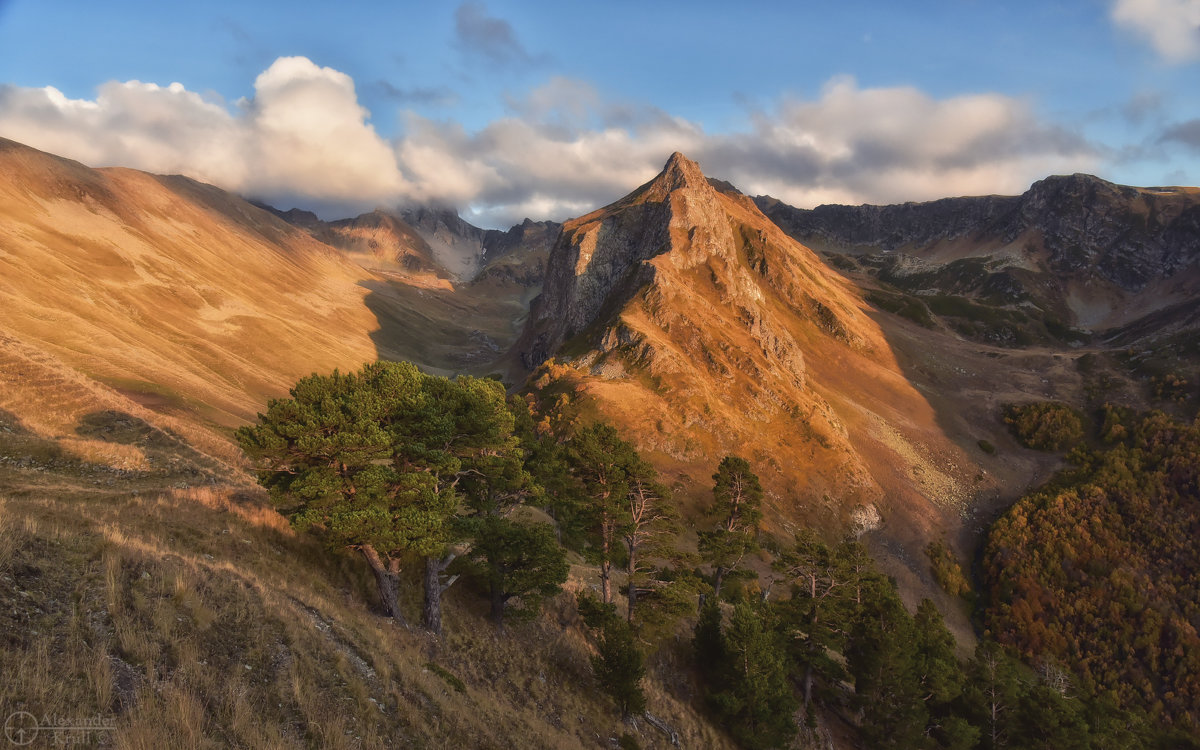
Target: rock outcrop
(1103, 254)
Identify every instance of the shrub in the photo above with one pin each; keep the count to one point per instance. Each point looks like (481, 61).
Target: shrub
(1045, 425)
(946, 570)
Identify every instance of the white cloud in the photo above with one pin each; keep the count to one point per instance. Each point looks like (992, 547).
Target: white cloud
(310, 134)
(555, 157)
(854, 145)
(564, 149)
(1171, 26)
(850, 145)
(302, 137)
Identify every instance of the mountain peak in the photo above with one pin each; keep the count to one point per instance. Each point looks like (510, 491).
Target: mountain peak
(679, 173)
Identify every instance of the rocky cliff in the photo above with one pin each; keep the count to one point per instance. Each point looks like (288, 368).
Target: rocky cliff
(685, 316)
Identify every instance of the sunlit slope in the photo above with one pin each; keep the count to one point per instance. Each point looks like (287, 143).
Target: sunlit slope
(159, 296)
(684, 315)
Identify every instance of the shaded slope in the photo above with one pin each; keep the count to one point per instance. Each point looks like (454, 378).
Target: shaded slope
(1092, 254)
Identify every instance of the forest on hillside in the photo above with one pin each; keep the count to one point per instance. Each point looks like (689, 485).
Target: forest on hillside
(457, 480)
(1097, 571)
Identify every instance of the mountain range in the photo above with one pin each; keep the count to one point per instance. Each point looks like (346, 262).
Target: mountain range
(861, 358)
(858, 356)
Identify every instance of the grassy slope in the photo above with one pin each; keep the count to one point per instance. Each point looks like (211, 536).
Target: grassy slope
(197, 618)
(140, 578)
(127, 296)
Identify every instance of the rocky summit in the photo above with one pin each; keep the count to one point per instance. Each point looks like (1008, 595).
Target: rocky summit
(687, 317)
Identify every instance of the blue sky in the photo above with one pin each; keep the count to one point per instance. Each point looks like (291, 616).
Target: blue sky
(506, 109)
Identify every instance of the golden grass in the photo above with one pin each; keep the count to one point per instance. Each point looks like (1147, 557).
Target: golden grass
(112, 455)
(196, 618)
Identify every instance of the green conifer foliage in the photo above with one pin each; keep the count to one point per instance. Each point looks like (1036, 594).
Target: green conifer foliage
(751, 694)
(736, 511)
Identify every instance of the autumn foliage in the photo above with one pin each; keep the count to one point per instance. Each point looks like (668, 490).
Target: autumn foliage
(1098, 570)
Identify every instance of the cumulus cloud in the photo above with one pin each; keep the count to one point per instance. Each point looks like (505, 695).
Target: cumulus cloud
(1172, 27)
(491, 37)
(563, 149)
(303, 136)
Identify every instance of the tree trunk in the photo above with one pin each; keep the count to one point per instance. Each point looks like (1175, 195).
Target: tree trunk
(718, 579)
(431, 615)
(605, 561)
(808, 685)
(632, 584)
(499, 600)
(387, 578)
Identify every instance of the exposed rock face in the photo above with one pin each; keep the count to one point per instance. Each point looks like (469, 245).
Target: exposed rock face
(686, 317)
(603, 259)
(456, 245)
(1080, 225)
(519, 255)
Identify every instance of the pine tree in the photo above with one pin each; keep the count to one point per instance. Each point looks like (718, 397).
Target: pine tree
(708, 646)
(649, 528)
(825, 591)
(600, 463)
(325, 455)
(941, 679)
(751, 693)
(992, 695)
(517, 561)
(736, 509)
(618, 664)
(374, 461)
(459, 432)
(882, 658)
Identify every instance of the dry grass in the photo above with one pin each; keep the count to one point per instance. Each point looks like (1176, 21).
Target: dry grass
(196, 618)
(112, 455)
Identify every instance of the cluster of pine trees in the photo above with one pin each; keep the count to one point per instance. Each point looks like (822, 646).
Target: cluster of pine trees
(403, 467)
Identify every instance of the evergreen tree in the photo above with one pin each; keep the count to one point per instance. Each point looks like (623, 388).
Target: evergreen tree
(649, 528)
(460, 430)
(600, 462)
(825, 591)
(618, 664)
(324, 455)
(882, 658)
(708, 646)
(517, 561)
(736, 509)
(752, 695)
(941, 679)
(992, 695)
(374, 461)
